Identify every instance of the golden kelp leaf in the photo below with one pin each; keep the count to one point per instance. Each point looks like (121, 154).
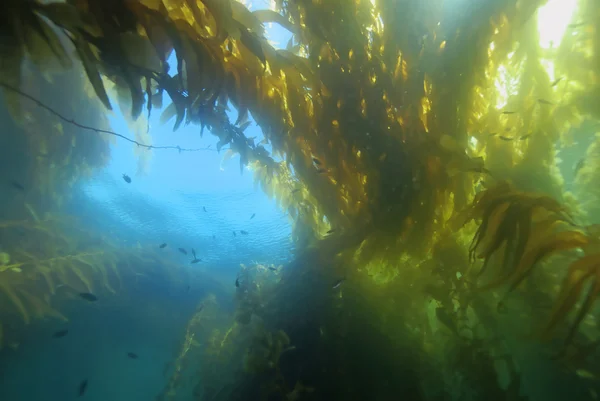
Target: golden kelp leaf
(266, 16)
(89, 64)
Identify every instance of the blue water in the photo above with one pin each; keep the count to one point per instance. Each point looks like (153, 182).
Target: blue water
(190, 200)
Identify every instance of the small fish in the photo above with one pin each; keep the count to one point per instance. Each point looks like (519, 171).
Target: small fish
(506, 138)
(204, 208)
(194, 253)
(507, 129)
(196, 260)
(555, 82)
(585, 374)
(237, 282)
(88, 296)
(579, 166)
(243, 232)
(17, 185)
(331, 231)
(60, 333)
(187, 289)
(163, 245)
(132, 355)
(272, 268)
(524, 137)
(295, 190)
(182, 251)
(83, 387)
(253, 214)
(234, 234)
(546, 102)
(338, 283)
(508, 112)
(317, 162)
(321, 171)
(127, 178)
(214, 236)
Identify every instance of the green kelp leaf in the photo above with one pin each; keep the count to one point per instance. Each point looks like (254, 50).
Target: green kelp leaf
(266, 16)
(168, 113)
(89, 62)
(247, 18)
(252, 43)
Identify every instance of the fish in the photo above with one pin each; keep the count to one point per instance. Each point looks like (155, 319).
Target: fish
(234, 234)
(83, 387)
(132, 355)
(546, 102)
(243, 232)
(253, 214)
(127, 178)
(163, 245)
(579, 166)
(17, 185)
(331, 231)
(196, 260)
(194, 253)
(317, 162)
(338, 283)
(88, 296)
(204, 208)
(295, 190)
(272, 268)
(60, 333)
(321, 171)
(506, 138)
(214, 236)
(187, 289)
(237, 282)
(555, 82)
(508, 112)
(524, 137)
(182, 251)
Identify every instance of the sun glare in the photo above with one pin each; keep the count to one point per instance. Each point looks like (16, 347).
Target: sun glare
(553, 20)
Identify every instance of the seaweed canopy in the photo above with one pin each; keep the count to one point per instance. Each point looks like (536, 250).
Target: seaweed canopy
(385, 113)
(531, 228)
(509, 219)
(46, 260)
(375, 122)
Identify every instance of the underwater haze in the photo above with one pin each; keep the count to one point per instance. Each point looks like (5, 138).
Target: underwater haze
(294, 200)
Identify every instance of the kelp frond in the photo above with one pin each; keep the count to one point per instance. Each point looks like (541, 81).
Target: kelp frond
(509, 219)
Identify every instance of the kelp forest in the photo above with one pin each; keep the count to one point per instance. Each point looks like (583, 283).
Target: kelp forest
(438, 161)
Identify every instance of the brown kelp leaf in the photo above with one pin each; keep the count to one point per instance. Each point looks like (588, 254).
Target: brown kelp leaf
(587, 267)
(89, 62)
